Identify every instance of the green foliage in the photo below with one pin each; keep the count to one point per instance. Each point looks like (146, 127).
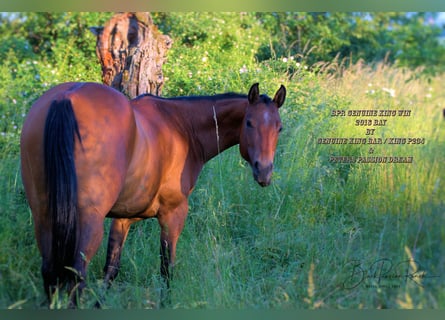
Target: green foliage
(204, 42)
(285, 246)
(372, 37)
(43, 30)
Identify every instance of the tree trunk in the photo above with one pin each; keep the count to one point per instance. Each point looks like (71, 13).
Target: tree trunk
(132, 51)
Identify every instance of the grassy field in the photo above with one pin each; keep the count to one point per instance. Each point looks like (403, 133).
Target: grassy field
(323, 235)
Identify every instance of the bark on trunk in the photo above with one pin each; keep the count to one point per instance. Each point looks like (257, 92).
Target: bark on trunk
(132, 51)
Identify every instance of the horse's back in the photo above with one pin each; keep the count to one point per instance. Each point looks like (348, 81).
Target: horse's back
(106, 125)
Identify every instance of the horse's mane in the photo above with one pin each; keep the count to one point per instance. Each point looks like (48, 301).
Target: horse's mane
(228, 95)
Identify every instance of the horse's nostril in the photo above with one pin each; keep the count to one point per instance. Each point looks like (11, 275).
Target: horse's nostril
(262, 167)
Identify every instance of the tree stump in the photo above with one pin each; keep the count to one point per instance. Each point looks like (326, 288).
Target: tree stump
(132, 51)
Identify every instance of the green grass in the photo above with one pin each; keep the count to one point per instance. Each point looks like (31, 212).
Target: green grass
(291, 245)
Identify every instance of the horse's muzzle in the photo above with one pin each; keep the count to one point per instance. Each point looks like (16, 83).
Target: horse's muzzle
(262, 173)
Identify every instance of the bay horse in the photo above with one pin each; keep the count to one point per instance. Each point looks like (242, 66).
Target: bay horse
(88, 152)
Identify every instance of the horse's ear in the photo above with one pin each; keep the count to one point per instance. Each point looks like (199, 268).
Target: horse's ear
(96, 30)
(254, 93)
(280, 96)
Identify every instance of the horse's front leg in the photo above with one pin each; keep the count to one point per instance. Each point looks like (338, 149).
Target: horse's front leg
(172, 223)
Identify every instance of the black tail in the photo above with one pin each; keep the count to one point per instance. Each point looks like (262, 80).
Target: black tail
(61, 130)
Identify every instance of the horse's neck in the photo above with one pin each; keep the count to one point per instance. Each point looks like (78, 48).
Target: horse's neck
(217, 127)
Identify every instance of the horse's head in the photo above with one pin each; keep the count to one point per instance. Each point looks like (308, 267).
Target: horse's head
(259, 132)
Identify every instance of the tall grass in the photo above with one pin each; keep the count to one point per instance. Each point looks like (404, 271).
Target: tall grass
(299, 243)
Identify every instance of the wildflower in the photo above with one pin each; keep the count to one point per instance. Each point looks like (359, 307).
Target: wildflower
(14, 101)
(204, 59)
(243, 69)
(284, 59)
(298, 64)
(391, 92)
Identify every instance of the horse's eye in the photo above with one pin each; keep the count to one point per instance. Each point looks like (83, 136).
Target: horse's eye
(249, 124)
(280, 129)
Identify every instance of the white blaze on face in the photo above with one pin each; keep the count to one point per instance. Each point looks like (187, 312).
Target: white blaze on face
(266, 131)
(266, 118)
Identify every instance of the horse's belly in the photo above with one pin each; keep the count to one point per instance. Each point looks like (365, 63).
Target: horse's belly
(143, 207)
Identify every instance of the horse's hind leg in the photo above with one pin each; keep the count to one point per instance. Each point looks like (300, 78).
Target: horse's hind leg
(91, 234)
(43, 234)
(118, 234)
(50, 281)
